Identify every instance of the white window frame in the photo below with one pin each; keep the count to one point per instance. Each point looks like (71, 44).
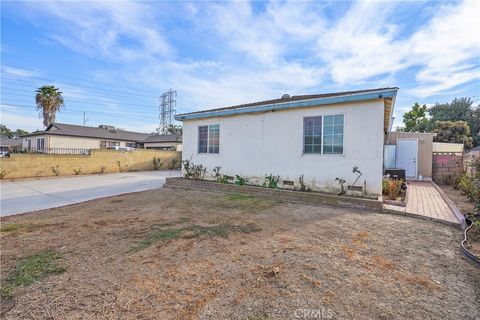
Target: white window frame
(323, 122)
(208, 138)
(39, 143)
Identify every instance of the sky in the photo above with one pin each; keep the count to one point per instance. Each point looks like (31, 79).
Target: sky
(113, 59)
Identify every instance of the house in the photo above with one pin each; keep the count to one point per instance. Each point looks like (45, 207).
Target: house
(165, 142)
(64, 136)
(319, 136)
(412, 152)
(8, 145)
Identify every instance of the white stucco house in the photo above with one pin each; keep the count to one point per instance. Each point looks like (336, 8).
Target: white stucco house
(319, 136)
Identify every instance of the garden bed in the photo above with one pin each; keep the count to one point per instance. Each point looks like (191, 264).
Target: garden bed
(471, 242)
(311, 197)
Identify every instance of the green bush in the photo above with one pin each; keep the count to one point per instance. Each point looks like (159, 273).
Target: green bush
(240, 180)
(271, 181)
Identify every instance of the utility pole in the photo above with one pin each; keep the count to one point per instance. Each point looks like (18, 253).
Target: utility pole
(84, 119)
(167, 110)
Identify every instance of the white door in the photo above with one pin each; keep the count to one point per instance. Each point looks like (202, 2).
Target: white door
(407, 153)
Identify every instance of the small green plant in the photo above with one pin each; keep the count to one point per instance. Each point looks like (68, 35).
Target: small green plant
(341, 182)
(56, 170)
(32, 269)
(198, 172)
(157, 163)
(77, 171)
(303, 186)
(216, 173)
(3, 173)
(271, 181)
(121, 168)
(174, 163)
(359, 174)
(240, 180)
(223, 179)
(187, 166)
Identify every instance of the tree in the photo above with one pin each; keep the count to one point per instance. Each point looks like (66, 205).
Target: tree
(19, 132)
(460, 109)
(174, 129)
(49, 101)
(453, 132)
(416, 119)
(5, 132)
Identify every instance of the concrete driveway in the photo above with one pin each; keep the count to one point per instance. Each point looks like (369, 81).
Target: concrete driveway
(31, 195)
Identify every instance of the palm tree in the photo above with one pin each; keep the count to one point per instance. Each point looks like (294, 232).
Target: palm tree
(49, 100)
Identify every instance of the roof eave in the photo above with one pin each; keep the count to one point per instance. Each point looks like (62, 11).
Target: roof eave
(379, 94)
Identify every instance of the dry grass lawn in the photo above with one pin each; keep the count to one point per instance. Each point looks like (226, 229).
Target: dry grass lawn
(166, 254)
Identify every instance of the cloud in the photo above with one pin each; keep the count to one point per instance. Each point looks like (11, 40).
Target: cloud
(115, 30)
(14, 120)
(17, 72)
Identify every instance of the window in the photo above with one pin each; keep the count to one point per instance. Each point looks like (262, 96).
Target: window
(108, 144)
(131, 144)
(333, 134)
(312, 135)
(323, 134)
(40, 143)
(209, 139)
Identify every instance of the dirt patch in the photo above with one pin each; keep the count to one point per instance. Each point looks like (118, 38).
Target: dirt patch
(461, 201)
(228, 257)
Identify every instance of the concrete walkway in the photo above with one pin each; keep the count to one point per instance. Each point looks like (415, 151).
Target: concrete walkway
(31, 195)
(424, 200)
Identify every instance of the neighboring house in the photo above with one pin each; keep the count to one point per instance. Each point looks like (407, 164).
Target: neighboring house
(167, 142)
(320, 136)
(60, 135)
(9, 144)
(411, 151)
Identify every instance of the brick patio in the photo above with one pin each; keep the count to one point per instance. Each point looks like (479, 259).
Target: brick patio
(425, 200)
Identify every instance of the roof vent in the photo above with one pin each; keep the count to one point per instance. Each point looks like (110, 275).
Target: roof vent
(286, 96)
(106, 126)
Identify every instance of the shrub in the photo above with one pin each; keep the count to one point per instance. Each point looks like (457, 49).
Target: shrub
(187, 168)
(240, 180)
(120, 167)
(56, 170)
(303, 186)
(198, 172)
(341, 182)
(271, 181)
(157, 163)
(77, 171)
(392, 188)
(174, 163)
(216, 173)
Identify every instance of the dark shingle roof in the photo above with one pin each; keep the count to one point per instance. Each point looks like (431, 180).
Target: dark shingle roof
(291, 99)
(63, 129)
(9, 142)
(163, 138)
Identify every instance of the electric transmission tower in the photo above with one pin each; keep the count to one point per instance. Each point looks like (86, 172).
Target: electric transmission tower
(167, 110)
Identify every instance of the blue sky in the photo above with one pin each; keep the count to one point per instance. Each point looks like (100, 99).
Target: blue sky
(113, 59)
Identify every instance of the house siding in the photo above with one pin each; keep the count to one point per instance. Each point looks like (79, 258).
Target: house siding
(253, 145)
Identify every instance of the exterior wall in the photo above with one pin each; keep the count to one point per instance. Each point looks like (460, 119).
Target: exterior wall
(25, 165)
(446, 167)
(57, 141)
(425, 147)
(443, 147)
(254, 145)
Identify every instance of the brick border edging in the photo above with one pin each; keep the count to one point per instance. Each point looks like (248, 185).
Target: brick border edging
(311, 198)
(422, 217)
(458, 214)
